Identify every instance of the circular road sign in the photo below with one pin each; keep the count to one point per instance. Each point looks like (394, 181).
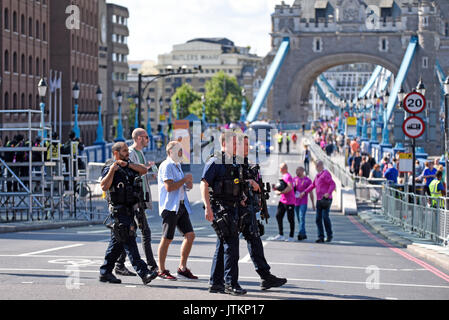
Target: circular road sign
(414, 103)
(414, 127)
(346, 114)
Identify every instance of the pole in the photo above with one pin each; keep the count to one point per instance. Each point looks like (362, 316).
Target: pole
(446, 139)
(414, 165)
(139, 90)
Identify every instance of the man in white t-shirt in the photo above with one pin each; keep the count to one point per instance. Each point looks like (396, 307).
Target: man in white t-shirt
(136, 155)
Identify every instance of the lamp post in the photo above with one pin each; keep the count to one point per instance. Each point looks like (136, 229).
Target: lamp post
(386, 131)
(243, 110)
(42, 88)
(137, 111)
(365, 122)
(373, 123)
(100, 140)
(150, 135)
(76, 95)
(119, 125)
(340, 116)
(446, 134)
(203, 100)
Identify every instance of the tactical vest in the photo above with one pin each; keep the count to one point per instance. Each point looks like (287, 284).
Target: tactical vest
(435, 194)
(228, 186)
(124, 191)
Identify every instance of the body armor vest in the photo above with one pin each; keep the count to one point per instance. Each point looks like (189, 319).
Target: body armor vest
(124, 191)
(228, 186)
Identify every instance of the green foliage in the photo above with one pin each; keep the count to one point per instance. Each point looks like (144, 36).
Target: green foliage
(223, 100)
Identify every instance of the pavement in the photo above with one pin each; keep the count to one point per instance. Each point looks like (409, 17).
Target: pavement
(359, 264)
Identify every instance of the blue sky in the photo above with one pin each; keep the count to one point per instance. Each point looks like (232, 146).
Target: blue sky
(156, 25)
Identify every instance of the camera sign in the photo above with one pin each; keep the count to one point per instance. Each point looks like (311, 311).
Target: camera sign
(414, 127)
(414, 103)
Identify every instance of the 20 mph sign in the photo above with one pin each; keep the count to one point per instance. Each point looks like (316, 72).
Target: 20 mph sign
(414, 127)
(414, 103)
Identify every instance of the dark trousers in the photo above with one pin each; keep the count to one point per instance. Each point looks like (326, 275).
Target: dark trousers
(116, 247)
(290, 209)
(306, 166)
(255, 249)
(142, 222)
(225, 269)
(323, 215)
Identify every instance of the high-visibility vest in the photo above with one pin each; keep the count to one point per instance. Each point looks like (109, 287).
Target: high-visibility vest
(435, 194)
(280, 138)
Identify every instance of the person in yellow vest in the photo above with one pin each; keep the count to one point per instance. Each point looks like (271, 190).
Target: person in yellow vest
(53, 149)
(437, 191)
(280, 139)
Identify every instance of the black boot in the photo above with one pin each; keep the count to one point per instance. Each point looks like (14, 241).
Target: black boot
(123, 271)
(109, 278)
(272, 282)
(234, 290)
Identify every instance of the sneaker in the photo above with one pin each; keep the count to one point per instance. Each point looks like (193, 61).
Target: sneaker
(279, 238)
(320, 240)
(272, 282)
(328, 239)
(123, 271)
(300, 237)
(290, 239)
(186, 275)
(166, 275)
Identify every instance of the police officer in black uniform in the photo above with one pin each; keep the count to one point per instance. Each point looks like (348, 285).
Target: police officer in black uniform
(222, 177)
(120, 181)
(251, 228)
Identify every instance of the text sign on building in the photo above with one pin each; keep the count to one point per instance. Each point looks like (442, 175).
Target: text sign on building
(414, 127)
(414, 103)
(405, 162)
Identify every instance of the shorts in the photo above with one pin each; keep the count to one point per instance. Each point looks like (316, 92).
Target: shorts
(171, 220)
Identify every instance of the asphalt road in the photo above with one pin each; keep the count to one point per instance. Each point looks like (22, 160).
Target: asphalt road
(64, 264)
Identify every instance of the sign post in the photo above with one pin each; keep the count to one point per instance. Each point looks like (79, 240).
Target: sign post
(414, 126)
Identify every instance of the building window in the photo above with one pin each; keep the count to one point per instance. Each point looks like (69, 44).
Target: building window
(30, 65)
(14, 21)
(14, 101)
(6, 100)
(44, 67)
(383, 44)
(6, 62)
(30, 101)
(6, 19)
(317, 45)
(425, 62)
(23, 66)
(14, 62)
(37, 67)
(22, 25)
(446, 29)
(22, 101)
(30, 26)
(425, 21)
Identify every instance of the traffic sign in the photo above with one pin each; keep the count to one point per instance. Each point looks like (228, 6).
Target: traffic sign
(414, 103)
(413, 127)
(406, 162)
(352, 121)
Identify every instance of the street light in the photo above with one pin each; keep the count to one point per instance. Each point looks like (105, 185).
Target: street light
(100, 140)
(446, 133)
(420, 88)
(401, 96)
(243, 110)
(42, 89)
(137, 111)
(150, 136)
(76, 95)
(119, 125)
(203, 100)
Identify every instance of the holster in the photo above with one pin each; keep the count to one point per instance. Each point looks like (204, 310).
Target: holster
(224, 224)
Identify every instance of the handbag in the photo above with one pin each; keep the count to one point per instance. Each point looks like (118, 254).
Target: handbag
(325, 203)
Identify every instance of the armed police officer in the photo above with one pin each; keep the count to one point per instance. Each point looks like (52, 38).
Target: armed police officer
(121, 181)
(223, 178)
(251, 228)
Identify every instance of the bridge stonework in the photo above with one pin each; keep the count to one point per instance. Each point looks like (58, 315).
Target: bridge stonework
(324, 34)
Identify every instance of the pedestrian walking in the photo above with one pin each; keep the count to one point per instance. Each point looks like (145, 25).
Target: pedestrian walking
(324, 185)
(300, 183)
(174, 208)
(287, 203)
(306, 159)
(136, 155)
(437, 191)
(280, 140)
(365, 168)
(287, 141)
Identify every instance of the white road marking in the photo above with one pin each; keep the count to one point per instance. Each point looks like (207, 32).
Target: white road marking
(52, 249)
(363, 283)
(391, 298)
(91, 232)
(130, 286)
(200, 228)
(27, 282)
(247, 258)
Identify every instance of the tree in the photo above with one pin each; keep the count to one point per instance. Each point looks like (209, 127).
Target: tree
(223, 98)
(187, 97)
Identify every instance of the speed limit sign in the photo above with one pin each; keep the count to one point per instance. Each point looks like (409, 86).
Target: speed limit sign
(414, 103)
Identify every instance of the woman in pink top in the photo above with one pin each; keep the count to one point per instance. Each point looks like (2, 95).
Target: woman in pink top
(300, 184)
(324, 185)
(286, 204)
